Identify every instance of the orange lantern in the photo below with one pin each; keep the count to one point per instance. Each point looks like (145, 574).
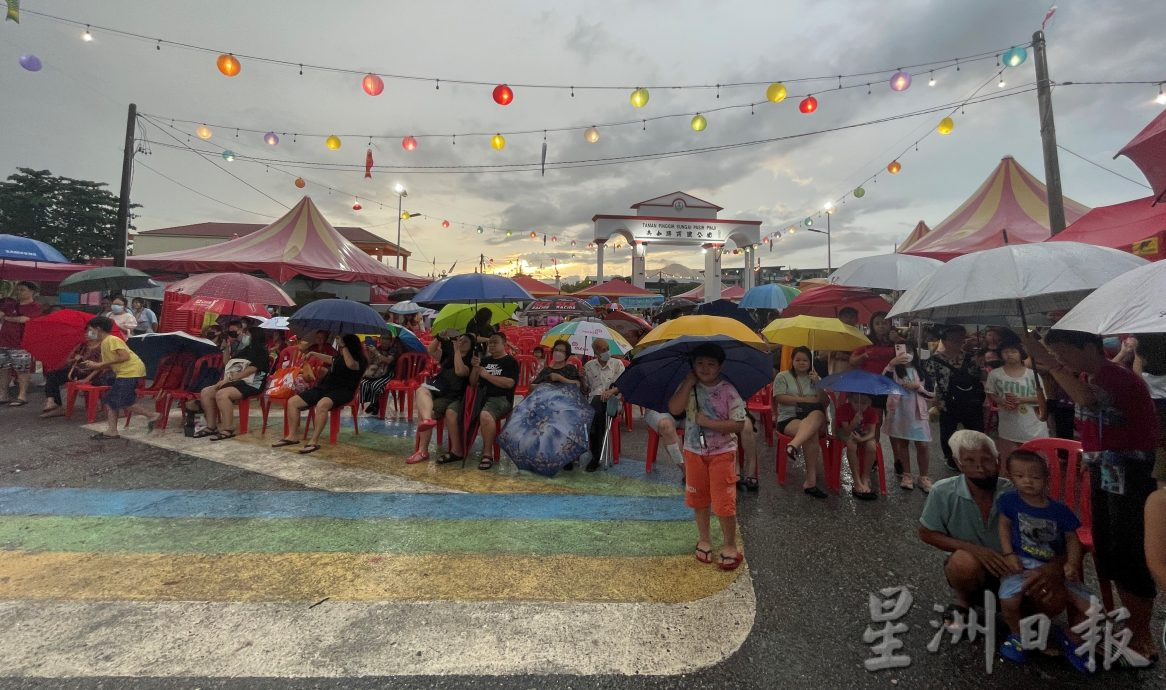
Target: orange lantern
(372, 84)
(894, 167)
(229, 65)
(356, 206)
(409, 143)
(445, 224)
(300, 183)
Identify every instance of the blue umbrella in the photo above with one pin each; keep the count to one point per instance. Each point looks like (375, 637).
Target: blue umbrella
(548, 429)
(724, 307)
(407, 337)
(770, 296)
(472, 287)
(597, 300)
(339, 317)
(152, 347)
(859, 381)
(658, 371)
(24, 249)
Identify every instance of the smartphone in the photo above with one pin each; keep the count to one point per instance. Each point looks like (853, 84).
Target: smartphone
(901, 349)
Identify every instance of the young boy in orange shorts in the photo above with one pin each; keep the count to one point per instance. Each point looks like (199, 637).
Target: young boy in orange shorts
(715, 412)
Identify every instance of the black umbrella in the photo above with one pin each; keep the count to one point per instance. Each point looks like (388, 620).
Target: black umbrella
(724, 307)
(402, 294)
(106, 279)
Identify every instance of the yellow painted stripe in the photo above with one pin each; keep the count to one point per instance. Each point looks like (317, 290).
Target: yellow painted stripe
(250, 577)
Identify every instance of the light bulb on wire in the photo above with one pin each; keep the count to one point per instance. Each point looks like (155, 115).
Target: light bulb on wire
(931, 81)
(1001, 82)
(1161, 99)
(87, 37)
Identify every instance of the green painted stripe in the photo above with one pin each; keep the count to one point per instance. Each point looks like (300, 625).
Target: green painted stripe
(168, 535)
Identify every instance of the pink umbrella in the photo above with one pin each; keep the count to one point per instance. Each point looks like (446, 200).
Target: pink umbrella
(239, 287)
(225, 307)
(1148, 152)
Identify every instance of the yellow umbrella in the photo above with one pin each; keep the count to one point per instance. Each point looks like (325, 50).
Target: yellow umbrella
(814, 332)
(700, 324)
(458, 316)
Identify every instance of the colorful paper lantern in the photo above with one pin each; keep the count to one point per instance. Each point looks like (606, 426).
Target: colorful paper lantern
(508, 233)
(372, 84)
(356, 206)
(332, 142)
(1015, 57)
(503, 94)
(228, 155)
(229, 65)
(859, 192)
(533, 235)
(300, 183)
(31, 63)
(808, 105)
(946, 125)
(591, 135)
(639, 97)
(776, 92)
(409, 143)
(699, 123)
(900, 81)
(808, 222)
(554, 238)
(445, 224)
(481, 230)
(498, 142)
(894, 167)
(271, 139)
(405, 215)
(203, 132)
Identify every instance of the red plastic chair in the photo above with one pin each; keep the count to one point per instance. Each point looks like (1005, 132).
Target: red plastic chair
(92, 399)
(654, 446)
(827, 459)
(183, 393)
(525, 374)
(762, 404)
(574, 359)
(410, 374)
(333, 419)
(1072, 487)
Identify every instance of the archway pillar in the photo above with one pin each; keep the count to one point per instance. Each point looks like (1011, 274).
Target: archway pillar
(712, 271)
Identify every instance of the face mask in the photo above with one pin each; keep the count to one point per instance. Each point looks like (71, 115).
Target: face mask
(117, 308)
(603, 357)
(560, 356)
(986, 483)
(245, 341)
(1112, 343)
(91, 334)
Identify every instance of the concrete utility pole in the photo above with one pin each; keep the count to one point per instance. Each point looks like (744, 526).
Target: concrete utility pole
(123, 205)
(1048, 135)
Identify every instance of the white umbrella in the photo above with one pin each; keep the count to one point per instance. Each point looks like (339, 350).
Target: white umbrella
(1015, 285)
(1134, 302)
(275, 323)
(885, 271)
(407, 308)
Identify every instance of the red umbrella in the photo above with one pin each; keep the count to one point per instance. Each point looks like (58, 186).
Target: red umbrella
(226, 307)
(1148, 152)
(826, 301)
(630, 326)
(50, 339)
(232, 286)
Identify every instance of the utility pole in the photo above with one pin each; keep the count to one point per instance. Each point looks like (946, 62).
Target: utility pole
(123, 203)
(481, 263)
(1048, 135)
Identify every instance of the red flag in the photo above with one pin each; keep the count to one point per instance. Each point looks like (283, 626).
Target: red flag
(368, 164)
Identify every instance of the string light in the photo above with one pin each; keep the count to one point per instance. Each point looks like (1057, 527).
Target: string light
(946, 125)
(503, 94)
(931, 81)
(1161, 99)
(776, 92)
(300, 183)
(894, 167)
(203, 132)
(228, 155)
(271, 139)
(1001, 83)
(409, 143)
(900, 81)
(372, 84)
(639, 97)
(229, 65)
(699, 123)
(591, 135)
(332, 142)
(498, 142)
(808, 105)
(87, 37)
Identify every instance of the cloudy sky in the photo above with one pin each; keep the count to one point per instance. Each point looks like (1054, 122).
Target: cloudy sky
(70, 117)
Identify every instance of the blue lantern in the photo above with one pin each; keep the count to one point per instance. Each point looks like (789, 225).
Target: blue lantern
(1015, 57)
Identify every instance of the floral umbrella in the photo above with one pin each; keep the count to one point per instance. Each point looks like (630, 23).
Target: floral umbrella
(548, 429)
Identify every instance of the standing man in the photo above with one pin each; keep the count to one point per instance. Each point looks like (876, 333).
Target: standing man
(839, 360)
(599, 377)
(959, 388)
(497, 373)
(17, 312)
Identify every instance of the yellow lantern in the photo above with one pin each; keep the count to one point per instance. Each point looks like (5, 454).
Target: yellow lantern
(332, 142)
(776, 92)
(591, 135)
(203, 132)
(946, 125)
(640, 97)
(498, 142)
(699, 123)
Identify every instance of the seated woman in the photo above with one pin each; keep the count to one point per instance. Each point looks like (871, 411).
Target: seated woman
(89, 350)
(441, 396)
(801, 415)
(558, 370)
(382, 362)
(243, 377)
(334, 390)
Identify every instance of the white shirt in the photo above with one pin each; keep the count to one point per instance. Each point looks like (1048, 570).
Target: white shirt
(1021, 424)
(598, 378)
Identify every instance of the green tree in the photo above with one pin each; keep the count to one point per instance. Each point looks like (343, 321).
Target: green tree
(78, 217)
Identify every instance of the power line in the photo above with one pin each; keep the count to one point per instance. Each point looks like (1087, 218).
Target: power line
(202, 194)
(1111, 172)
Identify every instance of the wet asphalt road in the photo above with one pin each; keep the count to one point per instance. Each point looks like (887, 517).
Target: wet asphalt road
(813, 564)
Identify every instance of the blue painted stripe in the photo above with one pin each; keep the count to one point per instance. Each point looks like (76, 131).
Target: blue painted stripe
(299, 504)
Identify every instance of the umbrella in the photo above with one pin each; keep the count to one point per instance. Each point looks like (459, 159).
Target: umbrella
(225, 307)
(405, 293)
(716, 326)
(106, 279)
(407, 337)
(152, 347)
(50, 338)
(630, 326)
(1148, 151)
(337, 316)
(681, 304)
(859, 381)
(656, 373)
(771, 296)
(826, 301)
(234, 286)
(1015, 284)
(561, 306)
(458, 316)
(728, 309)
(275, 323)
(472, 287)
(582, 333)
(816, 333)
(885, 271)
(26, 249)
(547, 430)
(405, 308)
(1134, 302)
(598, 300)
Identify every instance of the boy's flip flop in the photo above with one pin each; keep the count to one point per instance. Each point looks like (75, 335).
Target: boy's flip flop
(310, 448)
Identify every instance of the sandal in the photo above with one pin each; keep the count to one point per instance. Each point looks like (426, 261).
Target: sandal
(102, 437)
(729, 562)
(1013, 650)
(426, 424)
(18, 403)
(203, 433)
(906, 483)
(310, 448)
(449, 457)
(748, 484)
(151, 423)
(224, 435)
(704, 555)
(419, 456)
(284, 442)
(486, 463)
(815, 492)
(1069, 651)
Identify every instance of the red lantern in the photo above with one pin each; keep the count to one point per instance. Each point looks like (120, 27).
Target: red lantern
(409, 143)
(372, 84)
(445, 223)
(229, 65)
(357, 206)
(300, 182)
(503, 94)
(808, 105)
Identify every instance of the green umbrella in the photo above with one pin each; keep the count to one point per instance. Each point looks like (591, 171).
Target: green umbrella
(458, 316)
(106, 279)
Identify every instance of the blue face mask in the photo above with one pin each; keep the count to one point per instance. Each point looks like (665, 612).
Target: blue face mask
(1112, 343)
(116, 308)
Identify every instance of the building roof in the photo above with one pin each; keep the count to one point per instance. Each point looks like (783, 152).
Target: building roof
(356, 235)
(1137, 226)
(689, 200)
(616, 288)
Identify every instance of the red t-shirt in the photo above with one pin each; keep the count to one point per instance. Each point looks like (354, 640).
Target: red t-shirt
(870, 416)
(1126, 410)
(11, 332)
(880, 357)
